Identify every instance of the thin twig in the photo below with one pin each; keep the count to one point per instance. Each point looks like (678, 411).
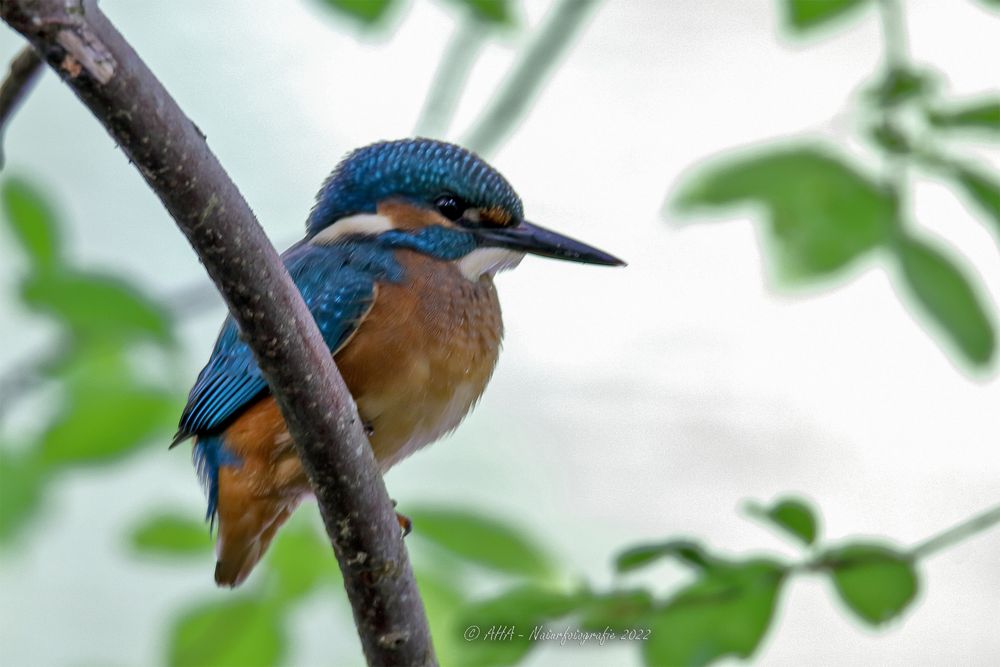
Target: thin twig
(449, 80)
(896, 60)
(527, 76)
(96, 62)
(958, 533)
(22, 379)
(894, 34)
(24, 72)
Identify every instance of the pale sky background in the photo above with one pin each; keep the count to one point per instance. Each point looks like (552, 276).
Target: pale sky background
(628, 404)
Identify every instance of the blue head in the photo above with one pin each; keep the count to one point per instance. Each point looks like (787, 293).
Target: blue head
(437, 198)
(418, 170)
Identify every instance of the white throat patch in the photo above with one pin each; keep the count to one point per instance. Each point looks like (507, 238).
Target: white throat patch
(489, 261)
(367, 224)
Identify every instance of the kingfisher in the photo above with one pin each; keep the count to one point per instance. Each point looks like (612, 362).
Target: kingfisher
(397, 269)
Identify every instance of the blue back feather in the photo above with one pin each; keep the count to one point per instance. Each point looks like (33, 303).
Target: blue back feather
(337, 283)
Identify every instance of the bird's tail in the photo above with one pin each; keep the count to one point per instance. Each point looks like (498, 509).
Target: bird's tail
(245, 530)
(248, 521)
(251, 494)
(254, 482)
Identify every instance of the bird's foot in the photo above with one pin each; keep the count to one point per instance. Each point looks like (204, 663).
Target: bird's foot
(405, 523)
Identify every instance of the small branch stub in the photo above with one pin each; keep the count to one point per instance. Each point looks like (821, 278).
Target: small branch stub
(24, 72)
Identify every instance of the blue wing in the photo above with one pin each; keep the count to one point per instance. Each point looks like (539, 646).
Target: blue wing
(337, 284)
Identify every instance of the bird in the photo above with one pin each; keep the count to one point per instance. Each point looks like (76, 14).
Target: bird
(396, 268)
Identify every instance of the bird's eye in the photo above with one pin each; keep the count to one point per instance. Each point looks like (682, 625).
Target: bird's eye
(450, 206)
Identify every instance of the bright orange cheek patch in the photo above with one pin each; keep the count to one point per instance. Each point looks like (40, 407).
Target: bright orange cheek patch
(496, 216)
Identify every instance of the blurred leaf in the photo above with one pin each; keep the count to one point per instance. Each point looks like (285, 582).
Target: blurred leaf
(949, 298)
(32, 221)
(981, 115)
(804, 15)
(98, 307)
(901, 84)
(619, 610)
(482, 540)
(367, 12)
(890, 138)
(875, 582)
(234, 633)
(645, 554)
(792, 515)
(442, 601)
(823, 213)
(489, 11)
(301, 559)
(105, 419)
(170, 534)
(21, 484)
(982, 188)
(726, 612)
(504, 624)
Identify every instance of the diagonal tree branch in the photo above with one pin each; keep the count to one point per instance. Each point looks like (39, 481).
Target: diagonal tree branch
(526, 78)
(24, 71)
(452, 72)
(96, 62)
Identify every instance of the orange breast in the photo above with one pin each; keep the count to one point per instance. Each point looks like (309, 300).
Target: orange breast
(423, 355)
(416, 365)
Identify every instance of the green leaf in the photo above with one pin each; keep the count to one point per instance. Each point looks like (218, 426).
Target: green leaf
(170, 534)
(234, 633)
(32, 221)
(366, 12)
(899, 85)
(107, 418)
(442, 600)
(490, 11)
(499, 631)
(823, 214)
(982, 189)
(302, 560)
(804, 15)
(726, 612)
(619, 611)
(981, 115)
(22, 481)
(874, 581)
(98, 307)
(792, 515)
(646, 554)
(482, 540)
(948, 297)
(890, 138)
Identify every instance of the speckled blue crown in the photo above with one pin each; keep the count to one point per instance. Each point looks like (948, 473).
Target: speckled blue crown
(419, 169)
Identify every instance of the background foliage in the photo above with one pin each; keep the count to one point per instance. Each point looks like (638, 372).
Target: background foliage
(109, 387)
(826, 214)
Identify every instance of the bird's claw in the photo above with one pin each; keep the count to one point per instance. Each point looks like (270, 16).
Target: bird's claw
(405, 523)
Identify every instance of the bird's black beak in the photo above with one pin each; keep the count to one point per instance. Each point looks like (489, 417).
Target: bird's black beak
(527, 237)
